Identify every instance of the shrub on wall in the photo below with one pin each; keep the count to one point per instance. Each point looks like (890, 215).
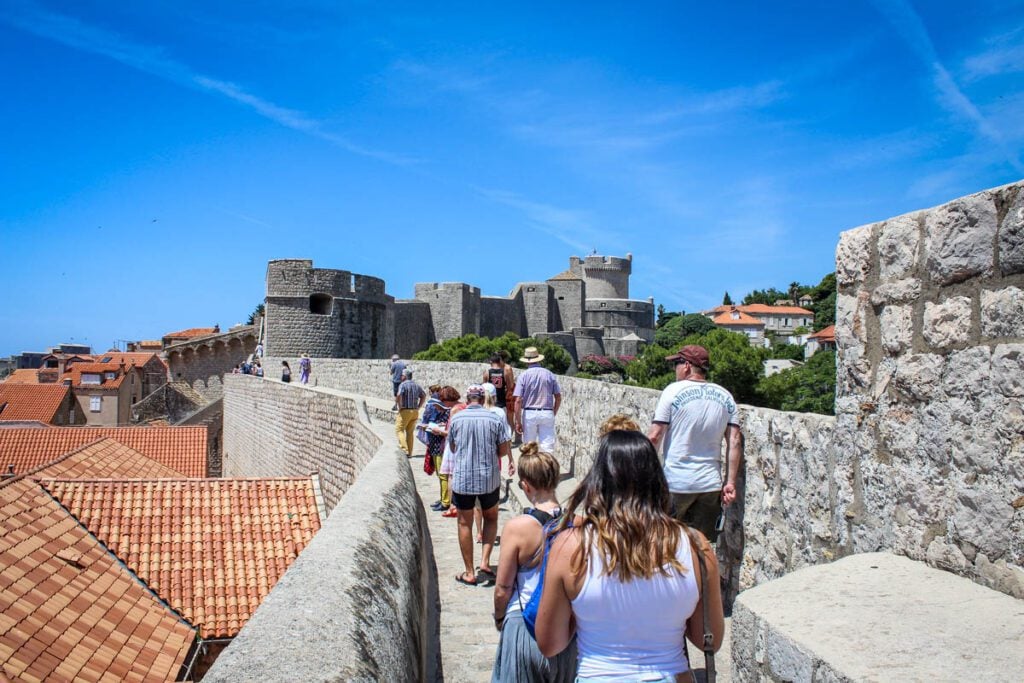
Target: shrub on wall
(472, 348)
(810, 388)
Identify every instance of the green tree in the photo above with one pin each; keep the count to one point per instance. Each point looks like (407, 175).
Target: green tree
(727, 300)
(825, 312)
(665, 316)
(650, 369)
(475, 349)
(787, 351)
(256, 313)
(763, 296)
(810, 388)
(672, 333)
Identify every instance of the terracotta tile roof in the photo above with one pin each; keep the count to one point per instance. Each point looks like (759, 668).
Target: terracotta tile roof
(136, 358)
(24, 376)
(183, 449)
(762, 309)
(765, 309)
(68, 609)
(827, 334)
(104, 459)
(32, 401)
(22, 424)
(192, 332)
(212, 548)
(726, 319)
(76, 371)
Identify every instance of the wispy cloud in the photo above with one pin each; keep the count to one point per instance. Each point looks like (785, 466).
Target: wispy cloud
(570, 226)
(911, 28)
(728, 100)
(153, 60)
(1004, 55)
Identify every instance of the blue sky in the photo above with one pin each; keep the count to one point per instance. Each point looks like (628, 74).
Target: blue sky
(155, 155)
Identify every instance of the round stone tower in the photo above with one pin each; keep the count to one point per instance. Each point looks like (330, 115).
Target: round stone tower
(605, 277)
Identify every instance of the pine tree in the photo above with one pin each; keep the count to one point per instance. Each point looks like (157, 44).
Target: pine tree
(727, 300)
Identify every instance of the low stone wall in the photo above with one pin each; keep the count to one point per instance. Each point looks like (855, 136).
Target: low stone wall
(211, 415)
(784, 520)
(360, 603)
(273, 429)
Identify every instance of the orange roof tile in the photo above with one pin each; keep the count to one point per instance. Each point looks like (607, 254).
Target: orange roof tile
(136, 358)
(827, 334)
(212, 548)
(32, 401)
(742, 319)
(192, 332)
(183, 449)
(765, 309)
(68, 609)
(104, 459)
(24, 376)
(76, 371)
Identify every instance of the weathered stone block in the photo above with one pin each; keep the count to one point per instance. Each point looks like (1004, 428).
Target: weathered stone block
(853, 256)
(897, 292)
(983, 521)
(948, 323)
(897, 328)
(918, 376)
(968, 373)
(1011, 237)
(960, 239)
(897, 246)
(1008, 369)
(1002, 312)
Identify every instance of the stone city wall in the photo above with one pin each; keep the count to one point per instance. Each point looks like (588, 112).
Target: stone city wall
(203, 363)
(273, 429)
(361, 601)
(930, 395)
(785, 520)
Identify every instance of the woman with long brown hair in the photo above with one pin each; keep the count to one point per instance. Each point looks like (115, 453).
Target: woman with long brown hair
(622, 573)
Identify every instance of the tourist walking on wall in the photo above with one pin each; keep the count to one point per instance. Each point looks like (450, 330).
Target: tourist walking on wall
(435, 421)
(286, 372)
(409, 397)
(396, 367)
(305, 368)
(504, 380)
(627, 573)
(491, 403)
(477, 440)
(518, 657)
(692, 417)
(538, 398)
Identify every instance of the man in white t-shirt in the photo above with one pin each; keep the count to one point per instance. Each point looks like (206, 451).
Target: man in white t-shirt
(693, 417)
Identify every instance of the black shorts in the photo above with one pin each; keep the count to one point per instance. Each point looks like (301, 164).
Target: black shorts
(467, 501)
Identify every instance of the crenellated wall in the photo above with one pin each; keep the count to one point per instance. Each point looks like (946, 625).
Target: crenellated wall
(930, 396)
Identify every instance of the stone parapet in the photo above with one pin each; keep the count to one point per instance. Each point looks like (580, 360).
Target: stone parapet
(360, 603)
(875, 617)
(930, 401)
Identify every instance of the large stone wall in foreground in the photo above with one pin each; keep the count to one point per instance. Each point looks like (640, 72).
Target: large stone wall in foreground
(785, 519)
(930, 396)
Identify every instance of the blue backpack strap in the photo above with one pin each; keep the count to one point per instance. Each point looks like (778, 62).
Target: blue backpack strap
(533, 604)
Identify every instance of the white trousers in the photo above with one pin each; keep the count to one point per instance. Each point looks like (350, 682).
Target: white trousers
(539, 426)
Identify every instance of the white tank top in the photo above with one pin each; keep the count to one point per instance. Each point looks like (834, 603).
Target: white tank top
(638, 627)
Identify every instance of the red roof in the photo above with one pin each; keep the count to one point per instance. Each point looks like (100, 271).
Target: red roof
(726, 319)
(192, 332)
(763, 309)
(24, 376)
(68, 609)
(76, 371)
(104, 459)
(136, 358)
(32, 401)
(827, 334)
(212, 548)
(183, 449)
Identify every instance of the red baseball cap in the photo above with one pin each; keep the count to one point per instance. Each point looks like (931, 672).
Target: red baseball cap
(692, 354)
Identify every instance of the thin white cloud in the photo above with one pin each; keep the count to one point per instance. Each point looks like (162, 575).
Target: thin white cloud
(911, 28)
(726, 101)
(153, 60)
(1005, 55)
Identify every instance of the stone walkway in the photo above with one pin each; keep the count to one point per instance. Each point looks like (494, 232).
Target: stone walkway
(468, 637)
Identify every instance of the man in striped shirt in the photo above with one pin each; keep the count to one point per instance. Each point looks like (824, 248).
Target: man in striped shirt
(409, 398)
(477, 439)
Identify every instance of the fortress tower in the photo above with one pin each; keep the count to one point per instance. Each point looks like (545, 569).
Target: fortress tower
(606, 277)
(326, 313)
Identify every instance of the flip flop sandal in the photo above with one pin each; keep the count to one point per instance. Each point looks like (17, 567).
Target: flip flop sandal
(488, 573)
(461, 578)
(449, 513)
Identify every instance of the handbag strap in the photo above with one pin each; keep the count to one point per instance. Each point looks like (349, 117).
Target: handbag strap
(709, 637)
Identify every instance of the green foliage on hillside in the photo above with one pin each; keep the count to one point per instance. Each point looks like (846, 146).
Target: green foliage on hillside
(679, 327)
(474, 349)
(809, 388)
